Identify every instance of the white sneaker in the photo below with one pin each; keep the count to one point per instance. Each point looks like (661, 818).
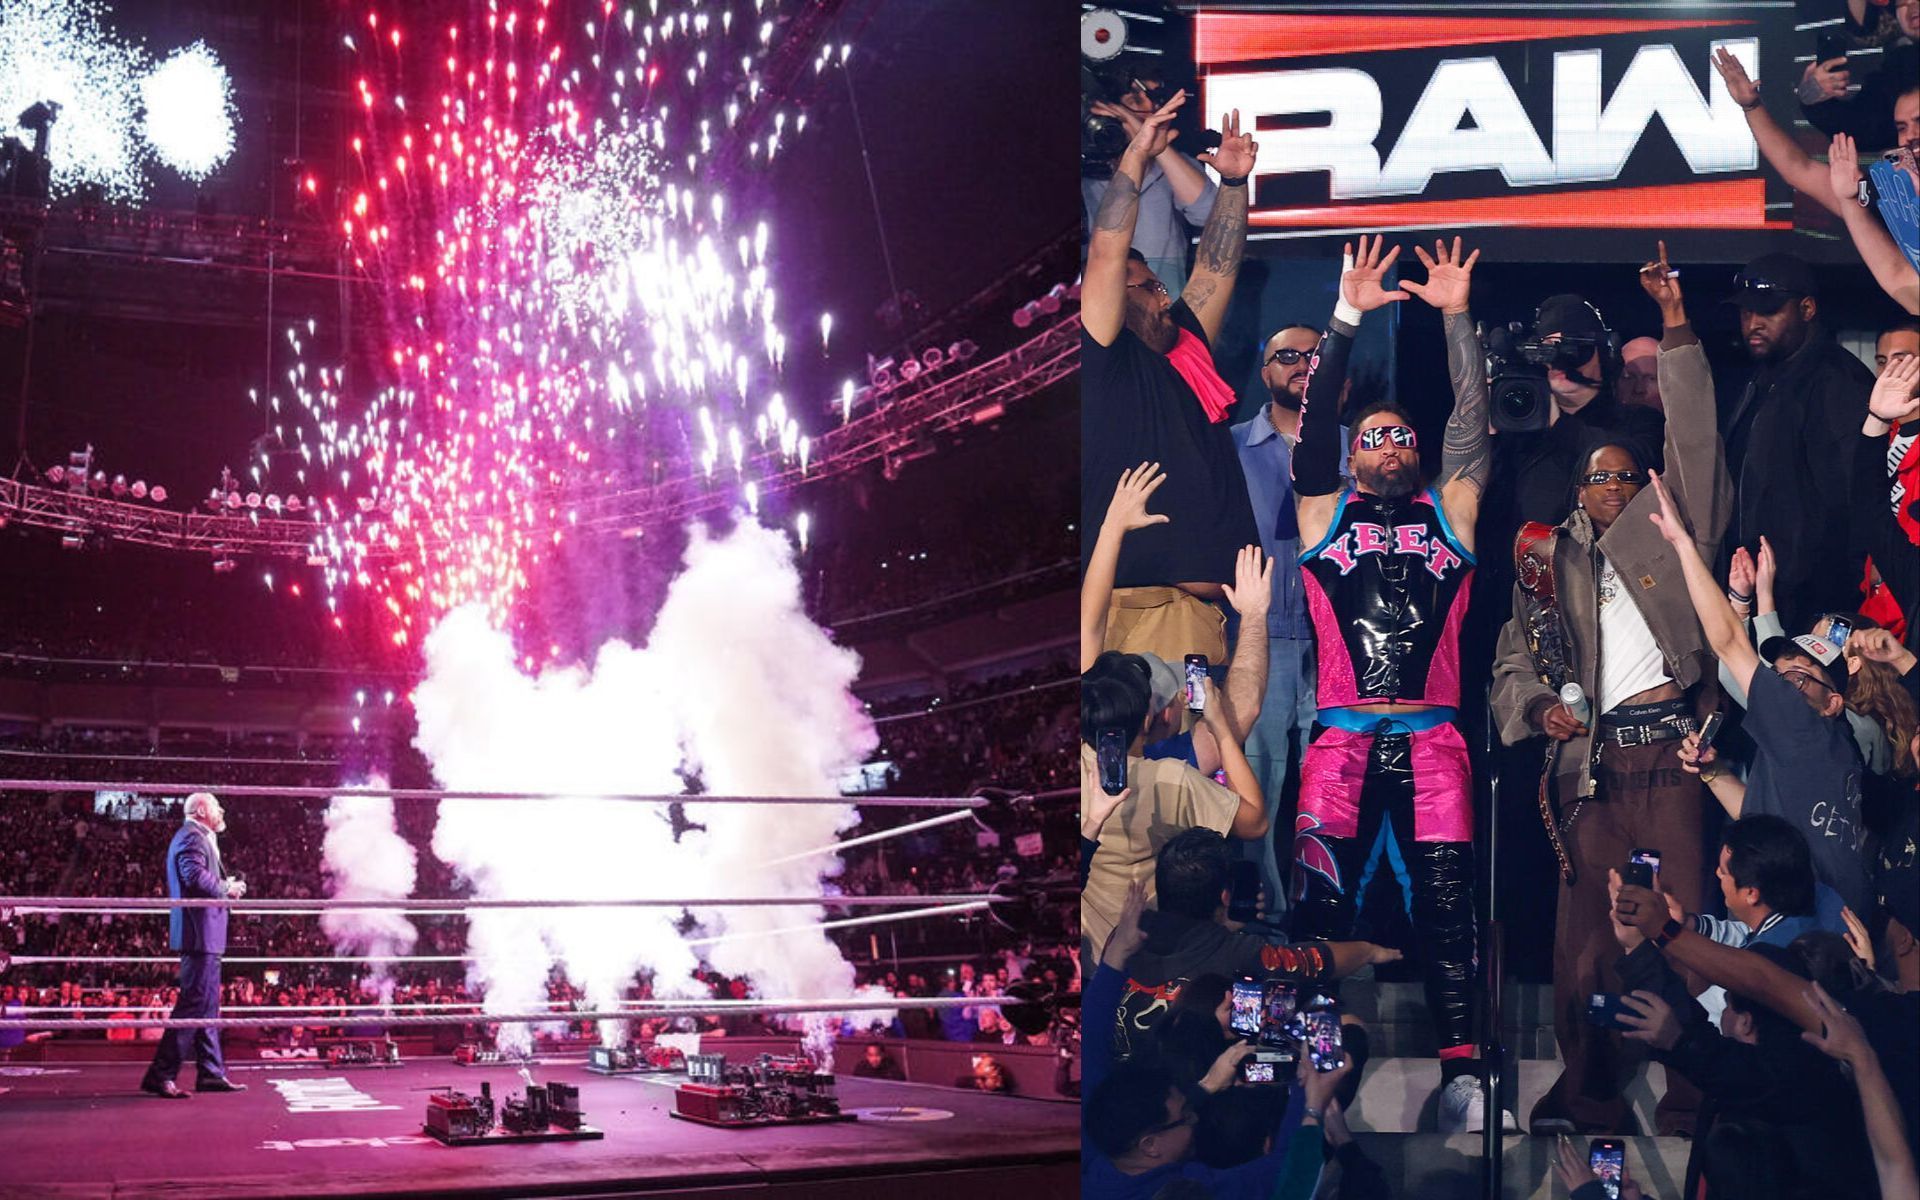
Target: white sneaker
(1462, 1108)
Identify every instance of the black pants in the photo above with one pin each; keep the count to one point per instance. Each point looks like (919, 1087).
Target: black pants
(1437, 875)
(199, 997)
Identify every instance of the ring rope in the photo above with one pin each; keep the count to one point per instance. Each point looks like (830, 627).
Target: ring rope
(328, 793)
(651, 1009)
(158, 904)
(865, 839)
(717, 939)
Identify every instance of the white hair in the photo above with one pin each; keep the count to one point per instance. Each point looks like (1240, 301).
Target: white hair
(200, 805)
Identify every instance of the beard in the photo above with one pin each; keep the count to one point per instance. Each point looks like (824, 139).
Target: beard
(1157, 330)
(1289, 399)
(1388, 485)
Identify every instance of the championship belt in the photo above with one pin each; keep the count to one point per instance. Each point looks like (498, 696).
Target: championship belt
(1546, 637)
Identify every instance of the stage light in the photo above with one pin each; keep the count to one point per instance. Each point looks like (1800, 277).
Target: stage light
(962, 350)
(294, 504)
(1025, 314)
(56, 475)
(932, 358)
(910, 370)
(73, 542)
(233, 499)
(253, 499)
(119, 486)
(139, 489)
(157, 494)
(223, 565)
(273, 504)
(99, 481)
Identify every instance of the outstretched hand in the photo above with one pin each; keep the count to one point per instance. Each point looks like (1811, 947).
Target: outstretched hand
(1237, 151)
(1251, 592)
(1128, 508)
(1893, 397)
(1361, 275)
(1843, 169)
(1449, 276)
(1744, 90)
(1150, 134)
(1840, 1034)
(1740, 572)
(1660, 281)
(1667, 520)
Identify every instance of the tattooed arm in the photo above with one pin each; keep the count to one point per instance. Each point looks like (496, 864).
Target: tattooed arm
(1223, 242)
(1466, 454)
(1103, 292)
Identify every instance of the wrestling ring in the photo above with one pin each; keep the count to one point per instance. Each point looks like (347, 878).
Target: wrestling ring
(935, 1140)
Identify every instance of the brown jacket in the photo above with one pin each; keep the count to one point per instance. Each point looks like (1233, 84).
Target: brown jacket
(1696, 476)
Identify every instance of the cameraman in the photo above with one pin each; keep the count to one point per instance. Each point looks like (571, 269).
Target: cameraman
(1584, 411)
(1176, 196)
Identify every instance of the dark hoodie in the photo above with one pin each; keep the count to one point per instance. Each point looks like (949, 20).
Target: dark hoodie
(1179, 948)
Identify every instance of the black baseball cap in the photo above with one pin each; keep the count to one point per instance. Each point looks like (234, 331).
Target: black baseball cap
(1570, 316)
(1771, 282)
(1821, 650)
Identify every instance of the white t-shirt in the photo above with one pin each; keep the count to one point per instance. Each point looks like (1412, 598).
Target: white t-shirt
(1630, 658)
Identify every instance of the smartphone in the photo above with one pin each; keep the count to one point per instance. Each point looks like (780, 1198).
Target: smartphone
(1710, 729)
(1649, 857)
(1638, 874)
(1603, 1011)
(1197, 682)
(1277, 1027)
(1829, 46)
(1323, 1039)
(1111, 749)
(1248, 998)
(1607, 1158)
(1243, 891)
(1839, 629)
(1253, 1070)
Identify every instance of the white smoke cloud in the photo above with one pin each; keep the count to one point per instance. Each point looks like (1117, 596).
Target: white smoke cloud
(364, 858)
(734, 683)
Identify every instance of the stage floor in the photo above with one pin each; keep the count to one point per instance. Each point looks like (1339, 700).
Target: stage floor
(83, 1129)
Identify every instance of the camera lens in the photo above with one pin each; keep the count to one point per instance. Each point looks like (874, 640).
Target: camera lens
(1516, 401)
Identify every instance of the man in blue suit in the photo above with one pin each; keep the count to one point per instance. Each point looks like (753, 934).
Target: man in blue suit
(200, 935)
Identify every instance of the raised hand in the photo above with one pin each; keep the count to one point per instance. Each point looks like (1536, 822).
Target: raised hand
(1840, 1035)
(1893, 398)
(1237, 151)
(1745, 91)
(1766, 569)
(1667, 520)
(1361, 274)
(1251, 592)
(1740, 573)
(1449, 276)
(1151, 136)
(1878, 645)
(1128, 508)
(1660, 281)
(1131, 122)
(1225, 1069)
(1843, 169)
(1858, 939)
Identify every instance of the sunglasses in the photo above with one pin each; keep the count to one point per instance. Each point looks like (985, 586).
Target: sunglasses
(1631, 478)
(1287, 356)
(1152, 285)
(1379, 435)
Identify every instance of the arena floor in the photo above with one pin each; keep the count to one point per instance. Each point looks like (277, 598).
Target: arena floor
(82, 1129)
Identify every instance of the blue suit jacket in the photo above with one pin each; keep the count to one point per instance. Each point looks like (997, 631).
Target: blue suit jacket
(193, 870)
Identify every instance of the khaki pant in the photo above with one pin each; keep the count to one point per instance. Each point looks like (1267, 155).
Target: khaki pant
(1642, 800)
(1168, 622)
